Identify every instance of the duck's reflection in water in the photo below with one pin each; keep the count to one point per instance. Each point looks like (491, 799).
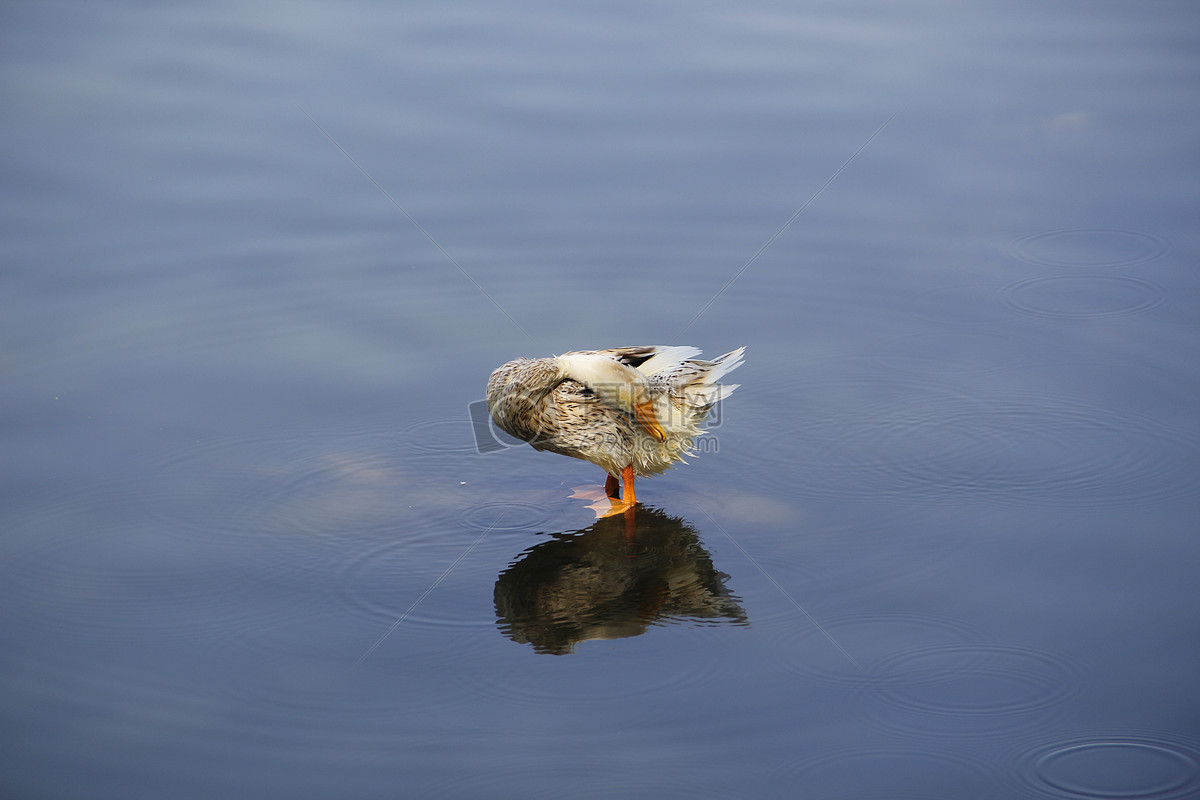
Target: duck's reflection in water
(608, 582)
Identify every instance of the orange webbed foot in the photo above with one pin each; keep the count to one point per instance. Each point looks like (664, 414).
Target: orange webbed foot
(602, 504)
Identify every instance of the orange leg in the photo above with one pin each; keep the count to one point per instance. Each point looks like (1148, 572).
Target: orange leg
(627, 478)
(612, 487)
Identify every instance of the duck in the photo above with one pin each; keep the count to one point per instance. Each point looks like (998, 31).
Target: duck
(632, 411)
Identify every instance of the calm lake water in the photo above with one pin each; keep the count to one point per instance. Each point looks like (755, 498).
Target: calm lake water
(259, 259)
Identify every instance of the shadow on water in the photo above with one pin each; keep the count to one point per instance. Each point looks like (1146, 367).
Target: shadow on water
(612, 580)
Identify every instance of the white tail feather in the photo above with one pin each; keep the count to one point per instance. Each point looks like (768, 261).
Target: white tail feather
(707, 395)
(724, 365)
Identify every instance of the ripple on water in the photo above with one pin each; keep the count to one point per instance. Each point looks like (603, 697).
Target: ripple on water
(1090, 248)
(1123, 765)
(1083, 296)
(964, 352)
(787, 569)
(456, 435)
(960, 306)
(1044, 450)
(882, 436)
(291, 491)
(330, 522)
(278, 517)
(903, 772)
(387, 581)
(307, 483)
(809, 652)
(807, 557)
(507, 516)
(548, 773)
(836, 452)
(90, 565)
(346, 684)
(596, 676)
(948, 691)
(212, 701)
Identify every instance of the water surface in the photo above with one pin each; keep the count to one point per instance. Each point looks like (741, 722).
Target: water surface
(258, 262)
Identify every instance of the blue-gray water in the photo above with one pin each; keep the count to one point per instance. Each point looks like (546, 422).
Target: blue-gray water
(943, 543)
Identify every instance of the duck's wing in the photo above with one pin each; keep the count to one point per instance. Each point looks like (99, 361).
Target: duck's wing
(697, 382)
(648, 359)
(673, 370)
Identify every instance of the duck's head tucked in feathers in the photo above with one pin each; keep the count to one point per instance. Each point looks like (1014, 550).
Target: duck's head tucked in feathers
(631, 410)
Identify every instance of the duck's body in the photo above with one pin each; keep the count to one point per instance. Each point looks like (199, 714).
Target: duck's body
(629, 410)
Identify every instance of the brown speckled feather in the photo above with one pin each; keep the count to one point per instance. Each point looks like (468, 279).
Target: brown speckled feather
(538, 401)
